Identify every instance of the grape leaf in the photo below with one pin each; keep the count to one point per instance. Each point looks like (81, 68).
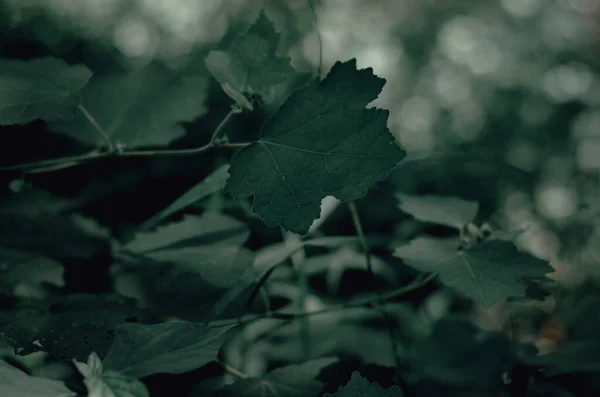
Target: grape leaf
(140, 108)
(209, 185)
(447, 211)
(101, 383)
(321, 142)
(298, 380)
(173, 347)
(252, 66)
(16, 383)
(43, 88)
(361, 387)
(488, 273)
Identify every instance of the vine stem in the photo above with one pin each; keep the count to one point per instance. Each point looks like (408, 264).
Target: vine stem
(232, 370)
(70, 161)
(364, 302)
(361, 238)
(96, 125)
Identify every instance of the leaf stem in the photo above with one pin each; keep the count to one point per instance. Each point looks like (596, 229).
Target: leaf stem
(361, 238)
(69, 161)
(96, 125)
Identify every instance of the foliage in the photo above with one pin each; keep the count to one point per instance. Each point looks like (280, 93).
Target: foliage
(240, 221)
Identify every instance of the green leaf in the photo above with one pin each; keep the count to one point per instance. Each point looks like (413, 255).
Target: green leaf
(361, 387)
(43, 88)
(192, 230)
(321, 142)
(252, 66)
(448, 211)
(173, 347)
(211, 184)
(101, 383)
(140, 108)
(488, 273)
(297, 380)
(16, 383)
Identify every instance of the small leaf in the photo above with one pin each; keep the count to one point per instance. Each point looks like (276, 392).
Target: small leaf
(43, 88)
(172, 347)
(16, 383)
(209, 185)
(447, 211)
(18, 267)
(321, 142)
(291, 381)
(361, 387)
(140, 108)
(489, 272)
(100, 383)
(252, 66)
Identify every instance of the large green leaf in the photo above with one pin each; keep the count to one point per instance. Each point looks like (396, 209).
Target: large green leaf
(291, 381)
(321, 142)
(487, 273)
(252, 66)
(140, 108)
(361, 387)
(448, 211)
(173, 347)
(43, 88)
(16, 383)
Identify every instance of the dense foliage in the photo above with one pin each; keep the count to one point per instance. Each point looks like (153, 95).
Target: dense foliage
(237, 220)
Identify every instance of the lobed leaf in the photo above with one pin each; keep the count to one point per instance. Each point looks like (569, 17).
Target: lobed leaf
(321, 142)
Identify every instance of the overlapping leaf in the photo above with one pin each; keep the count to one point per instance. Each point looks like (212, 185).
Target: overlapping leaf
(140, 108)
(43, 88)
(252, 66)
(487, 273)
(321, 142)
(173, 347)
(449, 211)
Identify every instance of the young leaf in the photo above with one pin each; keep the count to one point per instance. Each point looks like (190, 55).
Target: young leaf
(252, 65)
(211, 184)
(43, 88)
(141, 108)
(361, 387)
(173, 347)
(16, 383)
(321, 142)
(487, 273)
(448, 211)
(297, 380)
(103, 383)
(31, 269)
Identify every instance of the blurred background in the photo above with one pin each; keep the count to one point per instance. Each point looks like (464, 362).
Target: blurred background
(505, 94)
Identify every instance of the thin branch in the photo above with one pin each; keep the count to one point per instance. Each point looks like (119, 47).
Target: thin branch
(69, 161)
(361, 238)
(419, 282)
(316, 23)
(98, 128)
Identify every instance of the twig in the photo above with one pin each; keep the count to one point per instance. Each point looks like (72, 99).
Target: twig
(361, 238)
(365, 302)
(96, 125)
(69, 161)
(316, 23)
